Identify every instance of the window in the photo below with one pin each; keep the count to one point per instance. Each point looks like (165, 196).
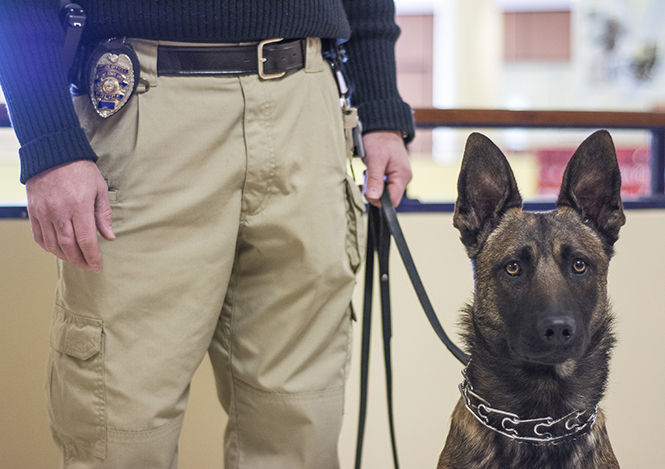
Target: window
(536, 35)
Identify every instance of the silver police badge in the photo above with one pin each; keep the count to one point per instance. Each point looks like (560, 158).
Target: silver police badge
(113, 76)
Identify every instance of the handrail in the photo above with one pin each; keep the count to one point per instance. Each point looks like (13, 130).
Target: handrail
(430, 117)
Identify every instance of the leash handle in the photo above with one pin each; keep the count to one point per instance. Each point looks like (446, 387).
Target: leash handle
(366, 336)
(378, 241)
(383, 252)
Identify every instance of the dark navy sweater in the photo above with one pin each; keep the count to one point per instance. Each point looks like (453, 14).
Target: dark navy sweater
(33, 77)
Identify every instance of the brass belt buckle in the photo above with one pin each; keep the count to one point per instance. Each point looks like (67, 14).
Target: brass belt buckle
(262, 60)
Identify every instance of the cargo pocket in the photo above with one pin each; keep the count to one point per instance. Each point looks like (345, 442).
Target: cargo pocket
(356, 231)
(76, 390)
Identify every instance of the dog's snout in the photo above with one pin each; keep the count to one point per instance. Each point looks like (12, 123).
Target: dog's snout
(557, 330)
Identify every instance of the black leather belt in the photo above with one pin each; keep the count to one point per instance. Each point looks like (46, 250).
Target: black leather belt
(271, 58)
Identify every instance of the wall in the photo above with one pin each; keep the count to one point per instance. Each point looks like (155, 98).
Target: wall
(426, 376)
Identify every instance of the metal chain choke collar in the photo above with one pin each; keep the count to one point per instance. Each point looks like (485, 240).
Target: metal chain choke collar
(538, 431)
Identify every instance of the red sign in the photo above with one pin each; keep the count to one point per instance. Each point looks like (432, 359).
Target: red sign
(633, 164)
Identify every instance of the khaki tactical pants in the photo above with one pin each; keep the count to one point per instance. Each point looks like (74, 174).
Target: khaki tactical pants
(238, 235)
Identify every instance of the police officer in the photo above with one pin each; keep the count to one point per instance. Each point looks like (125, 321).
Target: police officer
(206, 147)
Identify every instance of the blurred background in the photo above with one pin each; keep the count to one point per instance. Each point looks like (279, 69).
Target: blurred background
(529, 55)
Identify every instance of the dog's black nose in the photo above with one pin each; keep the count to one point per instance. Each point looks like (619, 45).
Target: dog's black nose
(556, 330)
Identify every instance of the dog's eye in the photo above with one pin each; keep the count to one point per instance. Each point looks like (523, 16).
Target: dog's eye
(513, 268)
(579, 266)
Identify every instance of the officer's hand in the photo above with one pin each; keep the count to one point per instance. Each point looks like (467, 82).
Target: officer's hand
(386, 155)
(67, 205)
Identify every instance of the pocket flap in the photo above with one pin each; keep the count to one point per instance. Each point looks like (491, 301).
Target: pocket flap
(356, 229)
(76, 336)
(354, 193)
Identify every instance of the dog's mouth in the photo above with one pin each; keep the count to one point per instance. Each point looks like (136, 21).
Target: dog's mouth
(549, 360)
(549, 357)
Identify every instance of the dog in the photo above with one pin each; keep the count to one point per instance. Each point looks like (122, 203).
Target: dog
(539, 329)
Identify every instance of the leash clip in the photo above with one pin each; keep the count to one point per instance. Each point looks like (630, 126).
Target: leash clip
(358, 145)
(353, 129)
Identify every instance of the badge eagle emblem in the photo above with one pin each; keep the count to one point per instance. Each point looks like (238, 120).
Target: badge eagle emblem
(113, 76)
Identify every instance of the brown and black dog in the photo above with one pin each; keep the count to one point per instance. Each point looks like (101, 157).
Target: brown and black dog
(539, 331)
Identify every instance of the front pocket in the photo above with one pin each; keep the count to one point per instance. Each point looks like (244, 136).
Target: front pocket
(356, 231)
(113, 139)
(76, 390)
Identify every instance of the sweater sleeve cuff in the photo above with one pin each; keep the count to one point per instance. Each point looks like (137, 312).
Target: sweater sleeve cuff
(388, 115)
(53, 150)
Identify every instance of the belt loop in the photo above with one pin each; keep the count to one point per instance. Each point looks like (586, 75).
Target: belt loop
(313, 57)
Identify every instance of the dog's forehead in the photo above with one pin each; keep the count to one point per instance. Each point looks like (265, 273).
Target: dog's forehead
(543, 231)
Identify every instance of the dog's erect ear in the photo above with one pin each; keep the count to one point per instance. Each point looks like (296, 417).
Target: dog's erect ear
(486, 188)
(592, 185)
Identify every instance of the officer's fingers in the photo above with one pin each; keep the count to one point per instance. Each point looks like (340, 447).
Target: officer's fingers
(36, 218)
(386, 156)
(36, 231)
(69, 245)
(86, 239)
(103, 214)
(398, 177)
(50, 240)
(374, 190)
(374, 180)
(396, 191)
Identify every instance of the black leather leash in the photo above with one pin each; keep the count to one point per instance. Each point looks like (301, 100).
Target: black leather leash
(382, 224)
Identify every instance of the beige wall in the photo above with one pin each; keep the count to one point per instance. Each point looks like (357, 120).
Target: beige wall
(426, 376)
